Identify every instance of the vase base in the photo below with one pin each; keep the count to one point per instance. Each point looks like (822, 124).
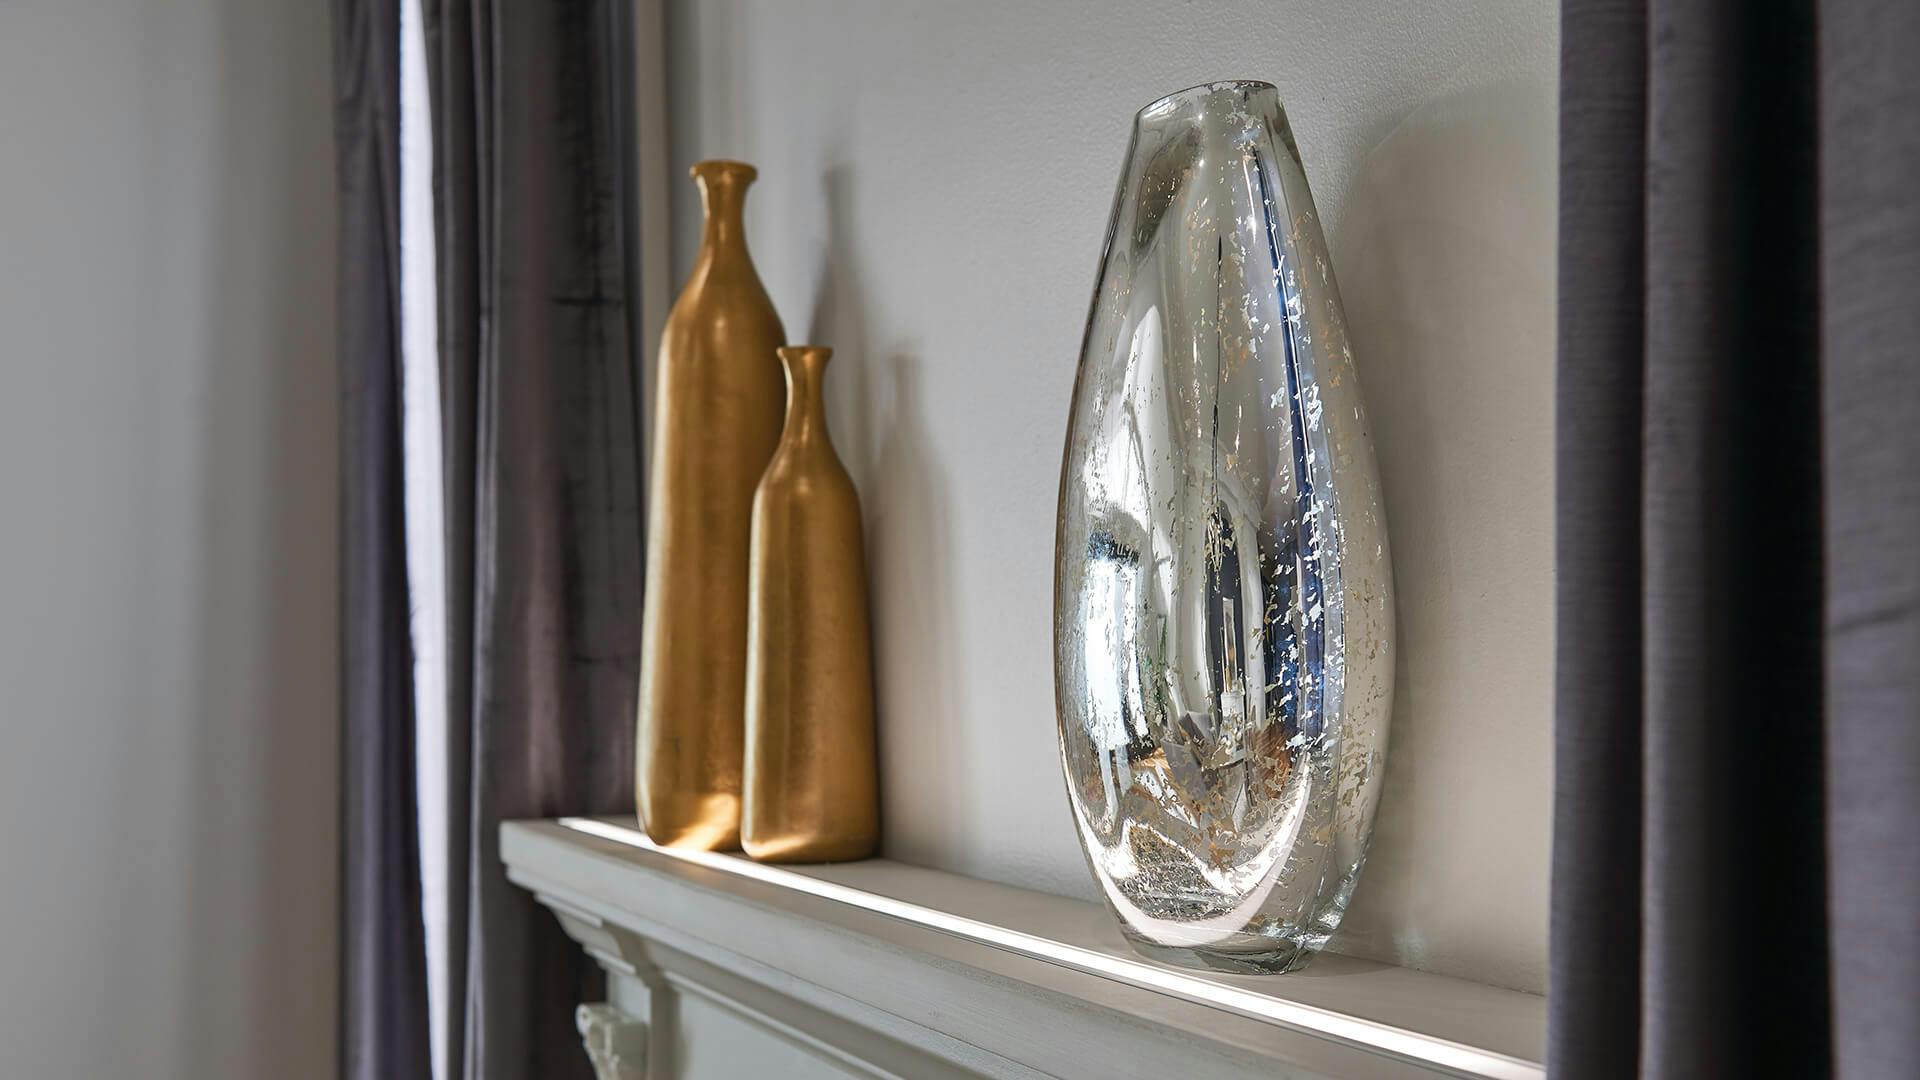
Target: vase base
(1278, 958)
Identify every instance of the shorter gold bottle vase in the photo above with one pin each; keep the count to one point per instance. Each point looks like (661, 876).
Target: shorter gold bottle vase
(811, 786)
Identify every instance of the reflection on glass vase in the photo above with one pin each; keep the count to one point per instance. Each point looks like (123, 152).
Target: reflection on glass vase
(1223, 600)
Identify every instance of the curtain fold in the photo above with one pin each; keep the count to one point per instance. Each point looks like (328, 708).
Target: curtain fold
(1594, 950)
(1736, 879)
(540, 385)
(383, 997)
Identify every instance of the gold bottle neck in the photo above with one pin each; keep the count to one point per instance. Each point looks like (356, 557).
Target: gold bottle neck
(806, 367)
(723, 194)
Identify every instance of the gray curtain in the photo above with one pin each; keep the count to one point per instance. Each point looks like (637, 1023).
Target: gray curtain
(1870, 339)
(1736, 874)
(539, 374)
(540, 393)
(383, 997)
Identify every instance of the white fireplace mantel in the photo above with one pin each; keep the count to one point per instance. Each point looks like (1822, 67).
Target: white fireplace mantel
(720, 967)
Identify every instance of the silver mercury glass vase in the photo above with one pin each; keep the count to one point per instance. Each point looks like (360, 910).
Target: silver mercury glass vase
(1223, 601)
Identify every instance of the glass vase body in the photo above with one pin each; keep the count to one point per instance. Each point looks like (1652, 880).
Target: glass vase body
(1223, 598)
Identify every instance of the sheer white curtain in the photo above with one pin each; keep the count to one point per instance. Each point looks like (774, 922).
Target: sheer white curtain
(425, 508)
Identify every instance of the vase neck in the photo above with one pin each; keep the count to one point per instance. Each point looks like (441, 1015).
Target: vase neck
(806, 367)
(723, 193)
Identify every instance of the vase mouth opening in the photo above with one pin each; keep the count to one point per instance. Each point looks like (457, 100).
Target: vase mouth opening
(1224, 94)
(722, 170)
(805, 355)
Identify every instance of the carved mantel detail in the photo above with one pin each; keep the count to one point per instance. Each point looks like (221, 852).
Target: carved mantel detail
(615, 1042)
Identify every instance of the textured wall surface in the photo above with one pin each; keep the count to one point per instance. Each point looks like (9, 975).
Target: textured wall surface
(167, 659)
(935, 183)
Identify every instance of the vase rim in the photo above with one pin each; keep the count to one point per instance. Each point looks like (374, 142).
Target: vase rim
(808, 353)
(1166, 104)
(723, 167)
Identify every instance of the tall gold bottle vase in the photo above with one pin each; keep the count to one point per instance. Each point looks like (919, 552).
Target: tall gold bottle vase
(812, 792)
(716, 422)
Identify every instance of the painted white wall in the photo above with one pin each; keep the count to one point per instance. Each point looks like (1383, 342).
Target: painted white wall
(167, 516)
(935, 182)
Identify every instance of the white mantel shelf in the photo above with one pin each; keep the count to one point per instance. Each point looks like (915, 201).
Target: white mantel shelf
(877, 968)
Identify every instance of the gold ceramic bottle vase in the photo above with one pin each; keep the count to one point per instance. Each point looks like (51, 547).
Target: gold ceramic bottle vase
(812, 792)
(715, 426)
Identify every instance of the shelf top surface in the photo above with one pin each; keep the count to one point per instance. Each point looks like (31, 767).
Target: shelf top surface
(1448, 1024)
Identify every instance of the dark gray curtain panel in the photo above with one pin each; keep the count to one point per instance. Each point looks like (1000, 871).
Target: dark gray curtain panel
(539, 375)
(1736, 879)
(1870, 342)
(383, 1002)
